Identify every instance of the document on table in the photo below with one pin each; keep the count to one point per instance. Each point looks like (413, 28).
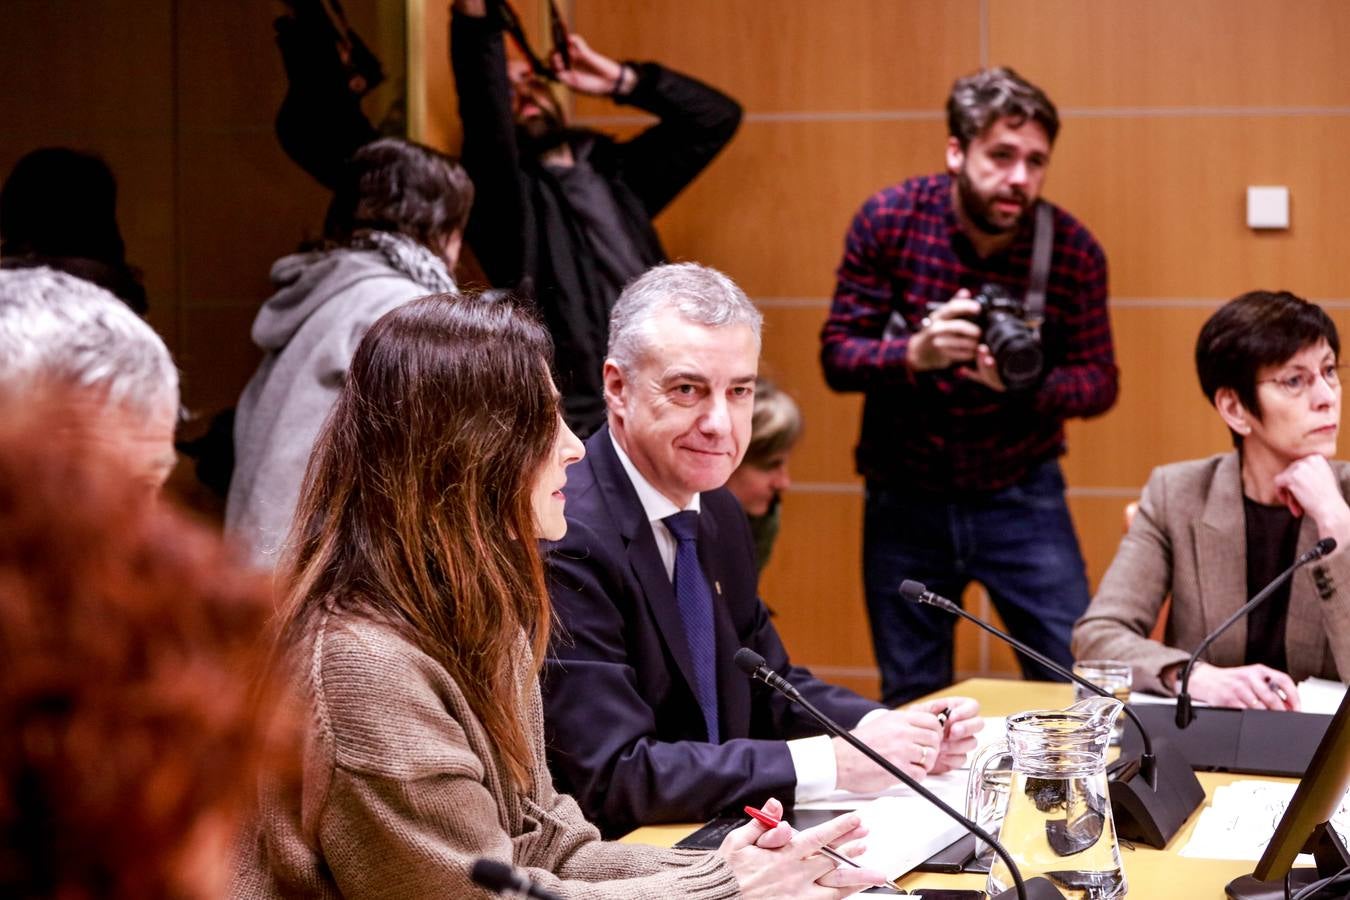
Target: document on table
(904, 829)
(903, 832)
(1240, 821)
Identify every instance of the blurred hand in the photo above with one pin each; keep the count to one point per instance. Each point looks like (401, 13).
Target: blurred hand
(1244, 687)
(775, 862)
(590, 72)
(958, 738)
(474, 8)
(911, 739)
(948, 337)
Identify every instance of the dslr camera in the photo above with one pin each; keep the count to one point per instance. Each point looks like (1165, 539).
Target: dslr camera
(1016, 346)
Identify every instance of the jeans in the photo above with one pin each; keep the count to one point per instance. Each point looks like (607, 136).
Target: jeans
(1018, 542)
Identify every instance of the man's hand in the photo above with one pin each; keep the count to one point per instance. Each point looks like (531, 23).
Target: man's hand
(948, 336)
(958, 736)
(591, 72)
(1309, 486)
(912, 739)
(475, 8)
(1243, 687)
(986, 370)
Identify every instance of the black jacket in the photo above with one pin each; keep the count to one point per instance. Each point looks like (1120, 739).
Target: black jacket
(522, 229)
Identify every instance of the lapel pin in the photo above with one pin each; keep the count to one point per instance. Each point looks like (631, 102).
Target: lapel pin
(718, 585)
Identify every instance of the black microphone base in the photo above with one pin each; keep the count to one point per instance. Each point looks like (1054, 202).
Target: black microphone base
(1151, 816)
(1248, 888)
(1037, 889)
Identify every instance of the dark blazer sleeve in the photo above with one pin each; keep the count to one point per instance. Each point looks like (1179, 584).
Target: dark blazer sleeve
(604, 734)
(696, 122)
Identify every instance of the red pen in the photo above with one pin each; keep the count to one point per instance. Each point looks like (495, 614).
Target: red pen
(769, 821)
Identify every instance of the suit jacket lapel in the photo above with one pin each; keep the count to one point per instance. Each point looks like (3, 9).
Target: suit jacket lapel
(1221, 552)
(657, 591)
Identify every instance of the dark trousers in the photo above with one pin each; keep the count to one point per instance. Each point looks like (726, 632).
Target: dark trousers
(1018, 542)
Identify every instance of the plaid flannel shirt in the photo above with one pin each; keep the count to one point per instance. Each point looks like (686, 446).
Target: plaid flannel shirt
(940, 431)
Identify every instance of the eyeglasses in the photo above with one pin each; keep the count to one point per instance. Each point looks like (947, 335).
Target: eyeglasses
(1300, 381)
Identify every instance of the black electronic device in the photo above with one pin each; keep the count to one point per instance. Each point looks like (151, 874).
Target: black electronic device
(1249, 741)
(1015, 345)
(1305, 826)
(753, 665)
(1150, 800)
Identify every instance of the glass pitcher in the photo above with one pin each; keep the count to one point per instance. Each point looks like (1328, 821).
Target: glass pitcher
(1057, 822)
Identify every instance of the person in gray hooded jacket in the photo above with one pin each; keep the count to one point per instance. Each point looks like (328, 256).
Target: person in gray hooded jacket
(393, 234)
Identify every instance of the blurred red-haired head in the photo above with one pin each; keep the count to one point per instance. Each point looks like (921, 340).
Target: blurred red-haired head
(130, 725)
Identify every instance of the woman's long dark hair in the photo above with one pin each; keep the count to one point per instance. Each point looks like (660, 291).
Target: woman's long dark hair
(416, 508)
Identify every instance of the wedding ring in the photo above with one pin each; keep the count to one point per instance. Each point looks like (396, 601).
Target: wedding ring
(923, 756)
(927, 323)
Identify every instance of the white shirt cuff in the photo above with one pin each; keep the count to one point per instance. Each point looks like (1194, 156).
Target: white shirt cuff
(813, 761)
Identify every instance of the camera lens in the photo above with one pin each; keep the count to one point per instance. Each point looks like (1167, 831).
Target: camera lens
(1016, 351)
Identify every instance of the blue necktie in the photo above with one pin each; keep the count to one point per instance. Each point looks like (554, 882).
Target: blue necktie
(696, 611)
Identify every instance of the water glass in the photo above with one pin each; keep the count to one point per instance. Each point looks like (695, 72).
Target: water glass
(1111, 675)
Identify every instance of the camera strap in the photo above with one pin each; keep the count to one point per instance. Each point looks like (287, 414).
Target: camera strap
(1040, 266)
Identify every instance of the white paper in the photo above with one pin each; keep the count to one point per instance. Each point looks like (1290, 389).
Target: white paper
(1320, 695)
(903, 832)
(1240, 820)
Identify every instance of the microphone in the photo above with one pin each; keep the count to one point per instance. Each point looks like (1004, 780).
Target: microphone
(500, 878)
(752, 664)
(1149, 802)
(1185, 714)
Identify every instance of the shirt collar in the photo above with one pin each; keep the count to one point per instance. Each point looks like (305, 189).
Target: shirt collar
(654, 503)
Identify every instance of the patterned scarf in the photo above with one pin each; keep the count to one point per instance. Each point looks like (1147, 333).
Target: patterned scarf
(408, 257)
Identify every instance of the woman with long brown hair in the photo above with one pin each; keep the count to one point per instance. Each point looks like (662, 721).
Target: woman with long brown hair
(416, 616)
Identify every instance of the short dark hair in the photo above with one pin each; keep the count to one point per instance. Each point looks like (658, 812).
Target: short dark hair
(1256, 329)
(400, 186)
(978, 101)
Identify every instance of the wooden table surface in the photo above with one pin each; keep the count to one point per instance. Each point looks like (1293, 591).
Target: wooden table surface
(1151, 874)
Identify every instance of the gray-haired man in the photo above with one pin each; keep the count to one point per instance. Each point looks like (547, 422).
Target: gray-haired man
(655, 589)
(64, 334)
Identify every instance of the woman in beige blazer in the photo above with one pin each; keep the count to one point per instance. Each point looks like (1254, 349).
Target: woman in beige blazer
(1269, 362)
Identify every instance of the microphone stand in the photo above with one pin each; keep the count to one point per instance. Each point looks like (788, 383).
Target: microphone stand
(1185, 713)
(1150, 802)
(752, 664)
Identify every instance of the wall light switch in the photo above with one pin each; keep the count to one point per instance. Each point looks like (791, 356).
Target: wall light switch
(1267, 207)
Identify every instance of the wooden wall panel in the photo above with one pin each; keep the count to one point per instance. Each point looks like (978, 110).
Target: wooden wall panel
(1166, 197)
(77, 69)
(794, 55)
(791, 348)
(1239, 53)
(773, 209)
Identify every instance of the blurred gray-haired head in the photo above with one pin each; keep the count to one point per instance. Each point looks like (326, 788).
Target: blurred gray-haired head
(699, 293)
(59, 330)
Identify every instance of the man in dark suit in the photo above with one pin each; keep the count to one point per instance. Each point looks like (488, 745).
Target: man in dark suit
(655, 589)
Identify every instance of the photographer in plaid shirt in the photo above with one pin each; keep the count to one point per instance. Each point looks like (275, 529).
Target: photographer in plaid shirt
(963, 479)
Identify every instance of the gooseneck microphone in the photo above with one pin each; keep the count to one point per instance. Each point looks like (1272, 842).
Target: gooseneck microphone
(1149, 803)
(1185, 714)
(500, 878)
(752, 664)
